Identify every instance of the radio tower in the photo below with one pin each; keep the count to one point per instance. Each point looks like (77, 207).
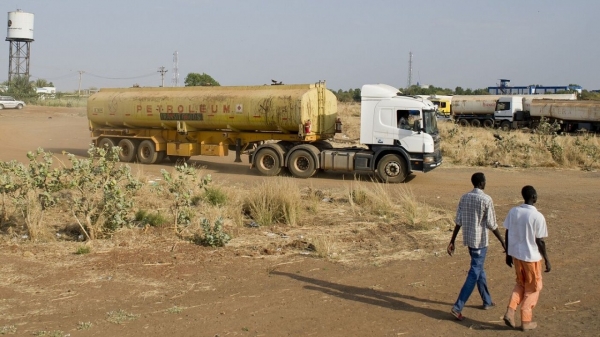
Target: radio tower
(175, 80)
(409, 69)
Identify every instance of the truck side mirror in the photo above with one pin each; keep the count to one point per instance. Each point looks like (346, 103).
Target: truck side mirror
(417, 126)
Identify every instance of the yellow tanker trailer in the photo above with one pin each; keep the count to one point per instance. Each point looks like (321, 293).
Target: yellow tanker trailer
(151, 123)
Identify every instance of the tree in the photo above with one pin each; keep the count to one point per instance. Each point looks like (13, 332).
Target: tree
(195, 79)
(40, 83)
(20, 88)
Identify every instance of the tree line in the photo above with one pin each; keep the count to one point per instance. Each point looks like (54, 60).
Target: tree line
(22, 88)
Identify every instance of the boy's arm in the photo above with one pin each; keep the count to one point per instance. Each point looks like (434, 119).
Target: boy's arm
(451, 246)
(499, 237)
(509, 261)
(542, 248)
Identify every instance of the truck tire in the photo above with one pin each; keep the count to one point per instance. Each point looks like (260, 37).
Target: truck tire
(392, 169)
(463, 122)
(161, 155)
(147, 153)
(488, 123)
(302, 164)
(267, 162)
(128, 150)
(505, 125)
(476, 123)
(106, 143)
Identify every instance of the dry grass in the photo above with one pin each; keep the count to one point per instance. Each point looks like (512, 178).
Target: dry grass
(518, 148)
(273, 201)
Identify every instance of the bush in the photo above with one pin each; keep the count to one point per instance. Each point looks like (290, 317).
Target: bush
(215, 196)
(152, 219)
(212, 236)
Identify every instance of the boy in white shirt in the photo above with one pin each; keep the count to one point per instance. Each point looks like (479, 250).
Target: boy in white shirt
(525, 232)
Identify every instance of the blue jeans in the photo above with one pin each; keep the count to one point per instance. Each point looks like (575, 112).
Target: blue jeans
(476, 276)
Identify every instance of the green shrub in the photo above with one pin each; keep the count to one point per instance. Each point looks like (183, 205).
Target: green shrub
(215, 196)
(83, 250)
(152, 219)
(212, 236)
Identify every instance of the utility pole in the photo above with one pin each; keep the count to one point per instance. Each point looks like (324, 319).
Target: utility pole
(409, 69)
(79, 89)
(162, 72)
(175, 80)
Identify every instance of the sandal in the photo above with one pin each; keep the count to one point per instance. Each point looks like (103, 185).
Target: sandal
(457, 314)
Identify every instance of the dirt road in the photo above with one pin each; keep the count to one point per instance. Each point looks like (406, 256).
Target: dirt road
(164, 287)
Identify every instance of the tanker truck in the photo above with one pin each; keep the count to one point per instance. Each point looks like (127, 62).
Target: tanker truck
(505, 112)
(279, 126)
(571, 115)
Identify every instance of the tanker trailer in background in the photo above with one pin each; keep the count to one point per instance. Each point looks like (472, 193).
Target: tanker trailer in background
(506, 112)
(277, 126)
(474, 110)
(571, 115)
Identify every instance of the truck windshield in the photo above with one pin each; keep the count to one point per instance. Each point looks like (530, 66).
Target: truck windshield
(430, 122)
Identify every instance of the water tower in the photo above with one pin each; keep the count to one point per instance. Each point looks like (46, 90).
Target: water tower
(20, 36)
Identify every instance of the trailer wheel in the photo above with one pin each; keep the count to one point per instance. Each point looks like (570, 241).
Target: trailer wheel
(267, 162)
(488, 123)
(161, 155)
(463, 122)
(476, 123)
(392, 169)
(128, 150)
(505, 125)
(106, 143)
(301, 164)
(147, 153)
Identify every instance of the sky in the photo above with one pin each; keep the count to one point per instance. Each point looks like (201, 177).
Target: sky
(347, 43)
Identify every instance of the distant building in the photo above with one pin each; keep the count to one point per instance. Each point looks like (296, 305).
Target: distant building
(506, 89)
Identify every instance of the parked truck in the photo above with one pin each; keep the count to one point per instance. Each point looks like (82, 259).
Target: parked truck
(279, 126)
(501, 111)
(571, 115)
(443, 103)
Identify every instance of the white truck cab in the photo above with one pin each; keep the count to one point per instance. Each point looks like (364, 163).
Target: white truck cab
(404, 125)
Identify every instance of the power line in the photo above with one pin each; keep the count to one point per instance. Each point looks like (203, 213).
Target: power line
(121, 78)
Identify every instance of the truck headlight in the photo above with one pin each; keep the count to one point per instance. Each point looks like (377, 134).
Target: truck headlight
(428, 160)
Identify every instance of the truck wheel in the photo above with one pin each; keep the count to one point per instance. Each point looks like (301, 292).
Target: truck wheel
(301, 164)
(488, 123)
(161, 155)
(128, 150)
(147, 153)
(267, 162)
(20, 106)
(106, 143)
(505, 125)
(463, 122)
(392, 169)
(476, 123)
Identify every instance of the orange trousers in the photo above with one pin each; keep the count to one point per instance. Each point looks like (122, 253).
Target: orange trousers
(527, 290)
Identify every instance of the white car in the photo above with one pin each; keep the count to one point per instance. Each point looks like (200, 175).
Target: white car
(8, 102)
